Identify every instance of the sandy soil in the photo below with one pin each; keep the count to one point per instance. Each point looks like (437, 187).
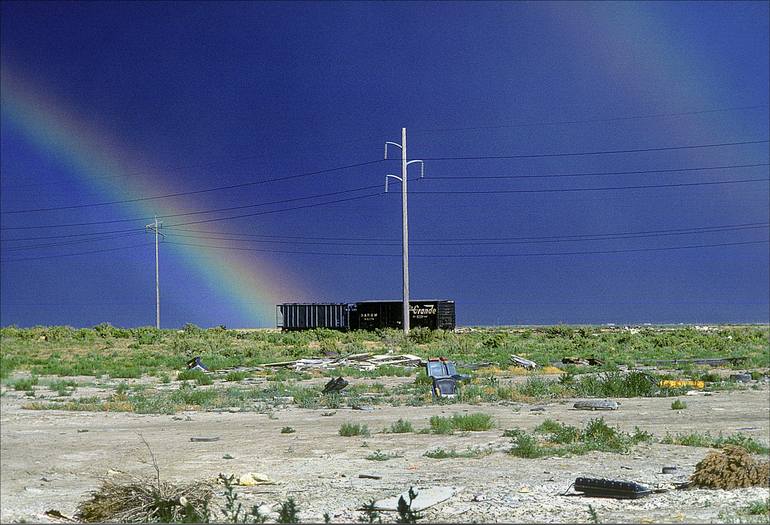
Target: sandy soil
(51, 459)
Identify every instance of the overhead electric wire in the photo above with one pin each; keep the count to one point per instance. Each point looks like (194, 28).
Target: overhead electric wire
(597, 173)
(71, 242)
(360, 164)
(593, 120)
(601, 152)
(606, 188)
(486, 242)
(75, 254)
(195, 192)
(693, 229)
(214, 210)
(469, 256)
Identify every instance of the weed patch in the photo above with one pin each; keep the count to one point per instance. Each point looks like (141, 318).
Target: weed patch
(354, 429)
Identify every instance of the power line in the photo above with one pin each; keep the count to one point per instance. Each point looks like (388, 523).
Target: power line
(211, 210)
(75, 254)
(470, 256)
(598, 173)
(67, 243)
(462, 242)
(693, 229)
(606, 188)
(360, 164)
(593, 120)
(195, 192)
(603, 152)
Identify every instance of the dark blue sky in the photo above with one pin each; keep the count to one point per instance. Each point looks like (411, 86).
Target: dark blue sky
(185, 96)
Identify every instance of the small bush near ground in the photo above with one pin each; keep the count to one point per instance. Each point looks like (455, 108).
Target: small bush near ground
(678, 405)
(466, 422)
(706, 440)
(440, 453)
(353, 429)
(379, 455)
(758, 507)
(288, 430)
(236, 376)
(25, 385)
(401, 427)
(440, 425)
(199, 376)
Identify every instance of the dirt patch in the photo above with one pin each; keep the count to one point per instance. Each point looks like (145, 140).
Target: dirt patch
(52, 459)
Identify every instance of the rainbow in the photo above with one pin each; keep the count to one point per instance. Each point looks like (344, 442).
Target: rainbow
(252, 284)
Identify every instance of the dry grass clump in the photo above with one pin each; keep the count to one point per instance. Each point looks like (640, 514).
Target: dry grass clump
(134, 500)
(732, 467)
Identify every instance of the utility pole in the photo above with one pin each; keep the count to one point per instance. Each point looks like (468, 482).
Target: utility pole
(404, 217)
(155, 227)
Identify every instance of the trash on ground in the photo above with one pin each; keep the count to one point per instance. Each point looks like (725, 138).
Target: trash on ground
(335, 385)
(444, 377)
(741, 378)
(251, 479)
(681, 383)
(731, 467)
(364, 362)
(196, 364)
(426, 498)
(607, 488)
(591, 361)
(526, 363)
(204, 439)
(370, 476)
(597, 404)
(669, 470)
(712, 361)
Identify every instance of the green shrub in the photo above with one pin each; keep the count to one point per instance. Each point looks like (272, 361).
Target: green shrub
(472, 422)
(288, 430)
(678, 405)
(401, 427)
(354, 429)
(26, 384)
(236, 376)
(441, 425)
(199, 376)
(379, 455)
(440, 453)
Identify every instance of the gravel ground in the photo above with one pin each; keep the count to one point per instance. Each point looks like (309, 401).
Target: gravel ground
(51, 459)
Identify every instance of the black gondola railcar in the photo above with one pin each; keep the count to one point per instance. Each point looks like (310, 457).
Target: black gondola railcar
(365, 315)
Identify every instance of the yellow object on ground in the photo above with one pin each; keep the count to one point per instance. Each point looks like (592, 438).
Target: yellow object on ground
(680, 383)
(251, 479)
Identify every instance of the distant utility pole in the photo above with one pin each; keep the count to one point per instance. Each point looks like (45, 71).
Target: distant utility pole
(155, 227)
(404, 216)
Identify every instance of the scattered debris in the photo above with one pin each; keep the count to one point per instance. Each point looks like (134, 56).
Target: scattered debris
(730, 468)
(286, 400)
(251, 479)
(425, 498)
(740, 378)
(53, 513)
(365, 408)
(712, 361)
(444, 377)
(204, 439)
(537, 409)
(196, 364)
(479, 497)
(81, 430)
(335, 385)
(591, 361)
(607, 488)
(597, 404)
(681, 383)
(525, 363)
(370, 476)
(364, 361)
(327, 414)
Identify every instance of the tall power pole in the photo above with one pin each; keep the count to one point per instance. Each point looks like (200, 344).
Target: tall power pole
(404, 218)
(155, 227)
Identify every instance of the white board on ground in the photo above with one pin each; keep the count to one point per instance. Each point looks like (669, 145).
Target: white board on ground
(426, 497)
